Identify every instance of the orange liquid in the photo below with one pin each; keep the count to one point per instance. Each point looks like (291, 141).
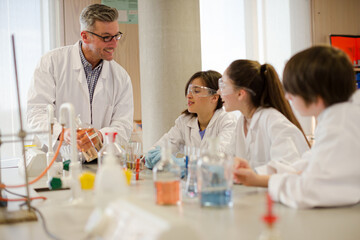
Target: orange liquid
(167, 193)
(88, 146)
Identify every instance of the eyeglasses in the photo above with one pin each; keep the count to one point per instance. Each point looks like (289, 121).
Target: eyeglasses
(227, 90)
(200, 91)
(108, 38)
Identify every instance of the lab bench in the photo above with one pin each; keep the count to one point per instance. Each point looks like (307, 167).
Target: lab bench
(241, 221)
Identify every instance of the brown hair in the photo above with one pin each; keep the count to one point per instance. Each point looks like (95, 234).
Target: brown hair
(320, 71)
(210, 79)
(264, 82)
(96, 12)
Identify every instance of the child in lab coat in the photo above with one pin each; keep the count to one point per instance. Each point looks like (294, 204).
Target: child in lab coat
(319, 82)
(203, 119)
(268, 134)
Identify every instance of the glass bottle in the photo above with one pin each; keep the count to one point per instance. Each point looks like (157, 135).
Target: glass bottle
(215, 177)
(166, 175)
(111, 146)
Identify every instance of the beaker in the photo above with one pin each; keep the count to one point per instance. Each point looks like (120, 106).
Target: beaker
(215, 177)
(134, 154)
(88, 142)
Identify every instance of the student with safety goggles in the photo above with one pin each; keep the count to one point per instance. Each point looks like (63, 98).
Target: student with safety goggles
(268, 134)
(204, 118)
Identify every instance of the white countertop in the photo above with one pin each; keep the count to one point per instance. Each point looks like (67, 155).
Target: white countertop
(242, 221)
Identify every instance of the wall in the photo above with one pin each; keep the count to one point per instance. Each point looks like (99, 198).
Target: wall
(169, 34)
(334, 17)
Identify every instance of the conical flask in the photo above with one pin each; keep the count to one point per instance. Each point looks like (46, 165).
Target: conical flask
(166, 175)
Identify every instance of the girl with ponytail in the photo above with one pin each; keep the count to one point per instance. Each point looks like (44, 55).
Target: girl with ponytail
(268, 134)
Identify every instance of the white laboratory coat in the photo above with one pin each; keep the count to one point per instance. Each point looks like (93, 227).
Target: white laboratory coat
(186, 132)
(60, 77)
(272, 144)
(331, 176)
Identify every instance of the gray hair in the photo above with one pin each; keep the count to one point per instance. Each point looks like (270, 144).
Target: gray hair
(96, 12)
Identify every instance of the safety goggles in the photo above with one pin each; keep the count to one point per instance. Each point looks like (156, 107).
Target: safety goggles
(200, 91)
(225, 89)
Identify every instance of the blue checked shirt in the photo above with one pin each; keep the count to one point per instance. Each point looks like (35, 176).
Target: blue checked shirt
(92, 75)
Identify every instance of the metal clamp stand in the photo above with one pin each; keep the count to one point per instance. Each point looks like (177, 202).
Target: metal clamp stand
(20, 215)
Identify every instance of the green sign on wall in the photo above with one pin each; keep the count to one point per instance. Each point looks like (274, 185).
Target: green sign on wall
(128, 10)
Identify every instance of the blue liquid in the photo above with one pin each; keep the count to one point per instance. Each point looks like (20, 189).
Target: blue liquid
(216, 198)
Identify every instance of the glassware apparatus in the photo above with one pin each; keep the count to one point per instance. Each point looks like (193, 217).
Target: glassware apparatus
(215, 177)
(166, 175)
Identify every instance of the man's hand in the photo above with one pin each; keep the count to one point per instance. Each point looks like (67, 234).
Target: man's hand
(245, 175)
(84, 142)
(67, 135)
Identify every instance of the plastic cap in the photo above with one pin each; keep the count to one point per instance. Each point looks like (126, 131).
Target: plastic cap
(55, 183)
(66, 165)
(87, 180)
(112, 134)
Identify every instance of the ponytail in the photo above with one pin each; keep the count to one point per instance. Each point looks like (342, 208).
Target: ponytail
(265, 82)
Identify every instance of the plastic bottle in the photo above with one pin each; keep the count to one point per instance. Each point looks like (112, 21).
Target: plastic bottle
(110, 182)
(111, 146)
(215, 177)
(166, 175)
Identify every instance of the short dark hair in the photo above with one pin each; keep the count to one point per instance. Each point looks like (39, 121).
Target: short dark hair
(97, 12)
(320, 71)
(210, 79)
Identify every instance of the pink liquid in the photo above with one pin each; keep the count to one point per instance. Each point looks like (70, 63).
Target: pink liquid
(167, 193)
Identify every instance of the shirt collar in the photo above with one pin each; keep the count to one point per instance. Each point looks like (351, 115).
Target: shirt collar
(85, 62)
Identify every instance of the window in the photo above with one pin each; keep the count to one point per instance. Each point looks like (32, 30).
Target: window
(268, 31)
(28, 21)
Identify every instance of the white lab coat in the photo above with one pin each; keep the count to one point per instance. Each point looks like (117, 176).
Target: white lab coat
(60, 77)
(272, 144)
(331, 176)
(186, 132)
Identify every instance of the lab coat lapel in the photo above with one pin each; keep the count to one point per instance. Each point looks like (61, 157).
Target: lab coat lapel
(248, 137)
(213, 119)
(251, 135)
(210, 125)
(84, 86)
(100, 83)
(195, 138)
(78, 68)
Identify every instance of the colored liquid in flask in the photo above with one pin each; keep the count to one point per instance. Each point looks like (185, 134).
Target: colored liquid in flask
(167, 193)
(216, 198)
